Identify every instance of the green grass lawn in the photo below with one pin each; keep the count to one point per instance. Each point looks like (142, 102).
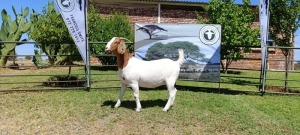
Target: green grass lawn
(82, 112)
(198, 109)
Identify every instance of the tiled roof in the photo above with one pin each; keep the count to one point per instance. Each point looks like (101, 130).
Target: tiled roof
(190, 2)
(169, 2)
(174, 1)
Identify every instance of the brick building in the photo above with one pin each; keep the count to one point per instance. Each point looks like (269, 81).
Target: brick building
(185, 11)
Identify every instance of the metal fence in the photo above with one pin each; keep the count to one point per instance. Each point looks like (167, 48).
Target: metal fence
(287, 79)
(25, 76)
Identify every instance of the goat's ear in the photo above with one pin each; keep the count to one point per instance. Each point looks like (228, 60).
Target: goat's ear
(121, 47)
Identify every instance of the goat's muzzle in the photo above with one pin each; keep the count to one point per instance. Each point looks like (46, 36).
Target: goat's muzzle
(108, 51)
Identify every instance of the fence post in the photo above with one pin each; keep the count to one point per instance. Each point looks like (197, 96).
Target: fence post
(264, 71)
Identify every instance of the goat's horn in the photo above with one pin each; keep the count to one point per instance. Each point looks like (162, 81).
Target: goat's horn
(125, 39)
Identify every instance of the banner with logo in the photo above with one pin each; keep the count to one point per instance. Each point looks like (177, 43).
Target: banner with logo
(264, 22)
(200, 42)
(73, 13)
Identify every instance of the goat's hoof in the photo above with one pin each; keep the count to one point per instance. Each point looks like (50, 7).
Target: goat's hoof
(116, 106)
(137, 109)
(165, 110)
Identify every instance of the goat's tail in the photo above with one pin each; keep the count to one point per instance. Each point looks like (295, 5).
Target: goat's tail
(181, 57)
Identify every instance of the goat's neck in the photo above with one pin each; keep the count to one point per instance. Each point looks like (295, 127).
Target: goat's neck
(122, 59)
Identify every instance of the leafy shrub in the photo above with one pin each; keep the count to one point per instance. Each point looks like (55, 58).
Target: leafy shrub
(14, 66)
(102, 29)
(297, 65)
(65, 80)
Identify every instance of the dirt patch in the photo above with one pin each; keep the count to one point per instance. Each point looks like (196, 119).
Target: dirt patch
(281, 89)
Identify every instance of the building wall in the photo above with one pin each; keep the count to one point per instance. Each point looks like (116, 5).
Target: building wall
(255, 63)
(149, 15)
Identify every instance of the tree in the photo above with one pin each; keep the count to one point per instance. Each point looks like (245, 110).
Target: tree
(237, 34)
(28, 57)
(297, 65)
(284, 21)
(12, 56)
(53, 37)
(51, 32)
(104, 28)
(12, 30)
(170, 50)
(157, 51)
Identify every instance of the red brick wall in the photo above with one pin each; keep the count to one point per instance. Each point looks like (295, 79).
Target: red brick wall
(275, 57)
(149, 15)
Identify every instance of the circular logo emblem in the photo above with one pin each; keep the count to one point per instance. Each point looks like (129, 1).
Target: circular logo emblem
(66, 5)
(209, 35)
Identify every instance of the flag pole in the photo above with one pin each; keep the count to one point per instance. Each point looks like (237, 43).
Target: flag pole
(88, 76)
(264, 25)
(74, 14)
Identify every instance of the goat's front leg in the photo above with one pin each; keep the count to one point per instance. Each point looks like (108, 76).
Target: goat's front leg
(135, 88)
(123, 88)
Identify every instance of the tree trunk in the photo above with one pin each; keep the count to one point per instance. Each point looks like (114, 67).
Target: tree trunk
(3, 61)
(222, 65)
(4, 57)
(69, 73)
(51, 60)
(225, 66)
(14, 57)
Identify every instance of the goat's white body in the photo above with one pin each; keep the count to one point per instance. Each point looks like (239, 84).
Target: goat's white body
(149, 74)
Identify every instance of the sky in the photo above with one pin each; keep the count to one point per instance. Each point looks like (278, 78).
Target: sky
(37, 5)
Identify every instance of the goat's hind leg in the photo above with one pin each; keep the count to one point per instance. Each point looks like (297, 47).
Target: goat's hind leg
(122, 91)
(172, 93)
(172, 101)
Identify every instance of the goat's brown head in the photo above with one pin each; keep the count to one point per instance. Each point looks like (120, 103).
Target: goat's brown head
(116, 45)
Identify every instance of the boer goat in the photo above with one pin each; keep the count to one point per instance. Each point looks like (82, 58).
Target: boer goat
(137, 73)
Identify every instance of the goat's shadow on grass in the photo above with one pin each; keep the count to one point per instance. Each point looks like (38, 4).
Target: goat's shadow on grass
(130, 104)
(225, 91)
(214, 90)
